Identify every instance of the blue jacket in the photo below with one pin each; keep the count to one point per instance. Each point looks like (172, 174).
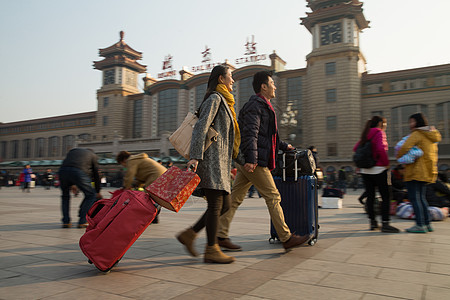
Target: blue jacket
(27, 174)
(257, 125)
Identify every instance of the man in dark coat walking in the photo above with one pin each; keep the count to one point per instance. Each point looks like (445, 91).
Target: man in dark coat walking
(259, 145)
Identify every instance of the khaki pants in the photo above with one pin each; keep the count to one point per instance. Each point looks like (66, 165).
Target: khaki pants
(262, 179)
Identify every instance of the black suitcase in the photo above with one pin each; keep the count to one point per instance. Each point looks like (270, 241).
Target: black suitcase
(300, 206)
(294, 163)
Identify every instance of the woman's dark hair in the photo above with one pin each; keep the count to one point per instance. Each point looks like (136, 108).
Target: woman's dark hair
(372, 123)
(213, 79)
(259, 78)
(421, 120)
(122, 156)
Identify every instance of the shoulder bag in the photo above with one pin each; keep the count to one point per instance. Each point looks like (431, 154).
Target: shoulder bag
(181, 138)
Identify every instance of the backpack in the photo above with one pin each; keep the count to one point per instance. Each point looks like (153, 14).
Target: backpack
(363, 156)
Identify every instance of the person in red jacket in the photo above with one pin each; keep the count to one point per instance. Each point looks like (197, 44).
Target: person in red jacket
(377, 176)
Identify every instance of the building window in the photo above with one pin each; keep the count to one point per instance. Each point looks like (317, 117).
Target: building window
(53, 146)
(377, 113)
(200, 91)
(68, 142)
(105, 120)
(105, 101)
(245, 91)
(330, 68)
(40, 147)
(137, 119)
(15, 149)
(84, 137)
(331, 95)
(26, 148)
(443, 120)
(332, 149)
(167, 110)
(332, 123)
(399, 124)
(3, 150)
(292, 114)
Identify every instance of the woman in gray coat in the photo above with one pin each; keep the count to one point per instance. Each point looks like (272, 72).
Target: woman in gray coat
(214, 165)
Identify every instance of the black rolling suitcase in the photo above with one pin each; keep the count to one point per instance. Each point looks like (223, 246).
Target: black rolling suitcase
(300, 208)
(299, 197)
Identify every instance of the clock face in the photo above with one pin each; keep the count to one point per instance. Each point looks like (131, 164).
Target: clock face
(108, 77)
(330, 34)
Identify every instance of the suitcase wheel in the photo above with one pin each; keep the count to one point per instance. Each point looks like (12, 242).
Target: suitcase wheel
(90, 261)
(312, 242)
(272, 240)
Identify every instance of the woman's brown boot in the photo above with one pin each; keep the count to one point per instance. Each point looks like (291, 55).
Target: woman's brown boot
(187, 238)
(213, 254)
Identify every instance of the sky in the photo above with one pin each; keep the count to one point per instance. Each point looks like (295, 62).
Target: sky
(47, 47)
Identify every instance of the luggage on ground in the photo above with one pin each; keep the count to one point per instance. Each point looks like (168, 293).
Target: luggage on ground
(294, 163)
(299, 204)
(114, 225)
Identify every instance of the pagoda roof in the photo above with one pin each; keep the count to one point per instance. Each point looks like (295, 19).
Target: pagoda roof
(120, 48)
(329, 10)
(120, 54)
(119, 60)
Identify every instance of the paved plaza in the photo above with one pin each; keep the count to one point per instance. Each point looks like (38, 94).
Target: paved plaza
(41, 260)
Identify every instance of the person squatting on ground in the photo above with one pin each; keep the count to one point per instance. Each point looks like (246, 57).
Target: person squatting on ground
(141, 171)
(258, 149)
(377, 176)
(423, 170)
(214, 165)
(79, 168)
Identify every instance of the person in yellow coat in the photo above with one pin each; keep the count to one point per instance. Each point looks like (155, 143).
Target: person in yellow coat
(141, 170)
(423, 170)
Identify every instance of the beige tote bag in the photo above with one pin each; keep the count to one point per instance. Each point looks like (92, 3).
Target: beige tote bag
(181, 138)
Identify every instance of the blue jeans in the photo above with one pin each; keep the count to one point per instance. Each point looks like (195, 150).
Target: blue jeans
(69, 176)
(416, 194)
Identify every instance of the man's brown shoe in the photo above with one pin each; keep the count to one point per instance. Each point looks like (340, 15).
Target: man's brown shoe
(83, 225)
(295, 241)
(227, 245)
(67, 225)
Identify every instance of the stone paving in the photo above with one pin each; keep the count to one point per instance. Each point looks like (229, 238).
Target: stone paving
(41, 260)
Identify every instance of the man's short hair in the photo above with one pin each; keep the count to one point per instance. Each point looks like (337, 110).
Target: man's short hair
(122, 156)
(259, 78)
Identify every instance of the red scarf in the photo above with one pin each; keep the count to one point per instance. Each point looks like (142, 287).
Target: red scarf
(271, 164)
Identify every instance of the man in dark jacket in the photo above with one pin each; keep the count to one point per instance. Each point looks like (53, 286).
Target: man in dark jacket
(259, 145)
(79, 168)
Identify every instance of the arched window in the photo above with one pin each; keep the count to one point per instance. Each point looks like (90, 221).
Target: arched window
(53, 146)
(167, 110)
(15, 149)
(39, 147)
(26, 148)
(200, 91)
(245, 91)
(137, 118)
(443, 120)
(68, 142)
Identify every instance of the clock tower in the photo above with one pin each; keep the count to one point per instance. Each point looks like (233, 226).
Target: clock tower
(120, 76)
(334, 69)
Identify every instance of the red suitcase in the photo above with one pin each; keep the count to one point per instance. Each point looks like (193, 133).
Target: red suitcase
(114, 225)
